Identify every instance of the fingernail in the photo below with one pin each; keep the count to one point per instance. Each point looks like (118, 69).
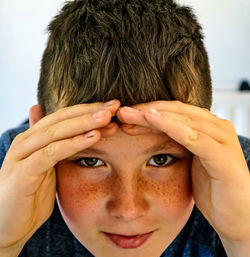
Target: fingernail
(99, 114)
(90, 134)
(109, 103)
(154, 112)
(129, 109)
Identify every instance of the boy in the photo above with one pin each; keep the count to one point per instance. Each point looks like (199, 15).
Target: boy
(152, 178)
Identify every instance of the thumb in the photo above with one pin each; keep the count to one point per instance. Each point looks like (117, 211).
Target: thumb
(35, 114)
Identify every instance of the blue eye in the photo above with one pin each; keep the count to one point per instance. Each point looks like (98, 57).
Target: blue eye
(89, 162)
(162, 160)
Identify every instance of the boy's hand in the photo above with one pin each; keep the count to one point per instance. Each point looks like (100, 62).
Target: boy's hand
(27, 176)
(220, 176)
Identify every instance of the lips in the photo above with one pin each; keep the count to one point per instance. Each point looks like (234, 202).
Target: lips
(127, 242)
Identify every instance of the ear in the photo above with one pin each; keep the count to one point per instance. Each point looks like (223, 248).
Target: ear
(35, 114)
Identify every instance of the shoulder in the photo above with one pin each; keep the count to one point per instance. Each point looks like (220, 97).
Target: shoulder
(8, 136)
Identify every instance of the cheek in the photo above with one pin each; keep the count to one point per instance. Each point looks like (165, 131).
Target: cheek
(173, 190)
(77, 196)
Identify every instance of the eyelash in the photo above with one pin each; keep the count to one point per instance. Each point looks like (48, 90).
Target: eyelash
(169, 162)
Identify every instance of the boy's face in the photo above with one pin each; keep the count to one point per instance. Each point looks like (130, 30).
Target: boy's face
(125, 193)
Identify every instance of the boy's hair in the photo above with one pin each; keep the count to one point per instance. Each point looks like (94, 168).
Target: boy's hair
(132, 50)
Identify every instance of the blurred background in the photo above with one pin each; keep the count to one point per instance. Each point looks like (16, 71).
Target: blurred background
(226, 27)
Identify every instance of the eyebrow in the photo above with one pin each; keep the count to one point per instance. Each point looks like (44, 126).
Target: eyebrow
(169, 145)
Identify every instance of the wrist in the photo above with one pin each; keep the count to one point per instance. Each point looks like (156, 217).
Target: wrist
(236, 248)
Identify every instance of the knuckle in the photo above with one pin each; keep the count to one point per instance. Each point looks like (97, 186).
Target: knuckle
(229, 125)
(170, 121)
(15, 145)
(74, 140)
(177, 102)
(186, 119)
(49, 150)
(20, 137)
(179, 105)
(50, 132)
(191, 137)
(13, 149)
(62, 113)
(91, 107)
(225, 122)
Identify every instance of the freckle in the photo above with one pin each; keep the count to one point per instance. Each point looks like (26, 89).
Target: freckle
(169, 191)
(87, 193)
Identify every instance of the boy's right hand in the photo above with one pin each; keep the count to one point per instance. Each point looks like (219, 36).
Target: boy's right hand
(27, 176)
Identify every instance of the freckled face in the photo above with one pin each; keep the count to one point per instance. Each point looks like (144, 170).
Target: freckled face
(128, 190)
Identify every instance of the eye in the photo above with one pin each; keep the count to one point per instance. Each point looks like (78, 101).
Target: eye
(89, 162)
(161, 160)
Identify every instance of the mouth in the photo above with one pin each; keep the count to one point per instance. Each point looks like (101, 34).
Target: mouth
(128, 241)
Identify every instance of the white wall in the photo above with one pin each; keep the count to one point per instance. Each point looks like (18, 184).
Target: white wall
(23, 37)
(226, 27)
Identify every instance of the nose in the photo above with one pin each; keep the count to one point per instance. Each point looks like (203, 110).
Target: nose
(127, 201)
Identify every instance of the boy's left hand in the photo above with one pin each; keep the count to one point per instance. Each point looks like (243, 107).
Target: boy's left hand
(220, 176)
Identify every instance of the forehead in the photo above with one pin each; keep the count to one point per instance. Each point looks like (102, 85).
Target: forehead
(123, 143)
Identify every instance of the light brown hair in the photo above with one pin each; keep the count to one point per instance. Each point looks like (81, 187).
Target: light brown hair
(135, 51)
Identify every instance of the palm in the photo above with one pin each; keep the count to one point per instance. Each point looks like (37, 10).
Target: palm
(212, 199)
(35, 209)
(201, 187)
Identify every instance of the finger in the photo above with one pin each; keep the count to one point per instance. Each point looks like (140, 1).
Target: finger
(132, 116)
(200, 125)
(135, 130)
(221, 131)
(109, 130)
(38, 121)
(42, 160)
(178, 107)
(75, 111)
(59, 131)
